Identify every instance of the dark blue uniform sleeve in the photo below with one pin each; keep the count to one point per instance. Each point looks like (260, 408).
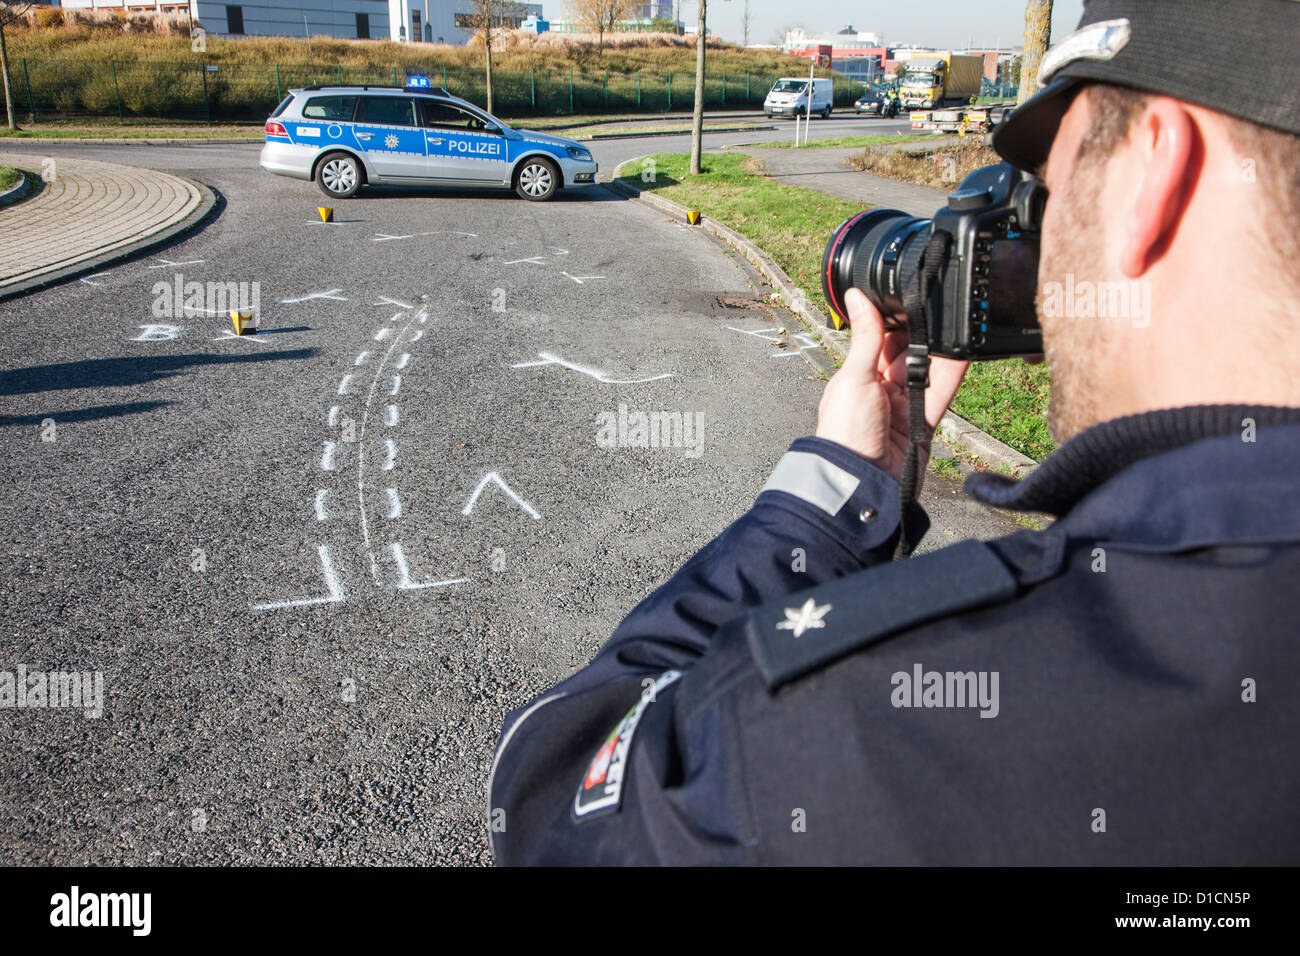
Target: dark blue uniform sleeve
(825, 513)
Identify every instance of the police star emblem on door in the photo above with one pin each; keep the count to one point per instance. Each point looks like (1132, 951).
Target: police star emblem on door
(391, 141)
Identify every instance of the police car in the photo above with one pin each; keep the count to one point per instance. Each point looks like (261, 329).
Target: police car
(344, 137)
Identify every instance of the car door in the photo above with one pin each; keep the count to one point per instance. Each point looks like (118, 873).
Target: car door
(463, 146)
(387, 130)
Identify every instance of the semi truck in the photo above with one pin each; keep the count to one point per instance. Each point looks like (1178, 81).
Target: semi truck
(942, 79)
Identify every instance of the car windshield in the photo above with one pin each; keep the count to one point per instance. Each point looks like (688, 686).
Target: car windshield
(919, 79)
(789, 86)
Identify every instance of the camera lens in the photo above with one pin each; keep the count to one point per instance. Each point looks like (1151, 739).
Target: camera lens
(876, 251)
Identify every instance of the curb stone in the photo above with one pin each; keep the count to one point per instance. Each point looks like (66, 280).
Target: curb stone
(953, 429)
(19, 190)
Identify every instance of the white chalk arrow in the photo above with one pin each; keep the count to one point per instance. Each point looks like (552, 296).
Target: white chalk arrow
(492, 476)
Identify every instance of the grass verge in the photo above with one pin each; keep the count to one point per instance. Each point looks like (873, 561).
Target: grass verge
(132, 131)
(8, 176)
(845, 142)
(1006, 399)
(943, 167)
(790, 223)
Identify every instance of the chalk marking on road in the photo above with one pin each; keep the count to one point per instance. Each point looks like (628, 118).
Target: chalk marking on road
(758, 333)
(416, 335)
(559, 251)
(333, 419)
(385, 300)
(383, 333)
(327, 456)
(343, 385)
(361, 358)
(402, 360)
(361, 449)
(422, 316)
(385, 237)
(168, 264)
(493, 477)
(225, 335)
(321, 514)
(803, 337)
(331, 294)
(394, 504)
(397, 383)
(451, 232)
(332, 585)
(390, 415)
(404, 582)
(535, 260)
(580, 279)
(86, 279)
(548, 358)
(396, 316)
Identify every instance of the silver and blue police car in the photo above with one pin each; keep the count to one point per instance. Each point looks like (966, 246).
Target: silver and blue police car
(345, 137)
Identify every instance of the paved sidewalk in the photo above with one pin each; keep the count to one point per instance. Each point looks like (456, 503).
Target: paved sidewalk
(88, 213)
(825, 171)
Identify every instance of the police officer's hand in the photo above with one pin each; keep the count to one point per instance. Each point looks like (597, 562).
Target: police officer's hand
(864, 407)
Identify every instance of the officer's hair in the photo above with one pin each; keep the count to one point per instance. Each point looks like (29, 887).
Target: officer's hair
(1270, 159)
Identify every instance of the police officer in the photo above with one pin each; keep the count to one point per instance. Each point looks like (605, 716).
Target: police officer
(1120, 688)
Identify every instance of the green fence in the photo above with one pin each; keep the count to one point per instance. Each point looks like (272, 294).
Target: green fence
(197, 91)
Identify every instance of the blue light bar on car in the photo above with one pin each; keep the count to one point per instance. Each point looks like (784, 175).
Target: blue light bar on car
(417, 83)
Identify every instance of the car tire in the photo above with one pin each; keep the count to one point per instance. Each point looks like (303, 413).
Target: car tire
(537, 179)
(339, 175)
(826, 113)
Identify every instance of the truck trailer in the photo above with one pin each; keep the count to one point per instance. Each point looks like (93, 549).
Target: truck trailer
(942, 79)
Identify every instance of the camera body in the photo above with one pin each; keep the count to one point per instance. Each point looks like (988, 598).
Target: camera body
(982, 304)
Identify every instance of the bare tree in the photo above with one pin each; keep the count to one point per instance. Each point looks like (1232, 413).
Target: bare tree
(601, 16)
(1038, 37)
(779, 36)
(744, 22)
(9, 13)
(697, 120)
(486, 17)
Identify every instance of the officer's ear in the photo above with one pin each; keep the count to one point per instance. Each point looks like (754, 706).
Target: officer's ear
(1164, 152)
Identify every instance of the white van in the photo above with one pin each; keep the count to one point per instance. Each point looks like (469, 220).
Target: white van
(789, 97)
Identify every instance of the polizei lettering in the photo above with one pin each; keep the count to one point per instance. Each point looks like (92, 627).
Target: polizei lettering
(477, 146)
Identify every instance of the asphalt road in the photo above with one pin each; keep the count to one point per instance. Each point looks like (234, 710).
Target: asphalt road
(308, 626)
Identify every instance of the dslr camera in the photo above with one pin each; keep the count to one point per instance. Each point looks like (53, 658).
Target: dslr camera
(981, 302)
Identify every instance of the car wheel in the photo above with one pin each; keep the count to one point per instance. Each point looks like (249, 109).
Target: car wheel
(826, 113)
(537, 180)
(339, 176)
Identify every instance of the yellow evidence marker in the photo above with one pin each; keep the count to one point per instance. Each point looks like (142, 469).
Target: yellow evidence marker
(693, 217)
(245, 321)
(326, 214)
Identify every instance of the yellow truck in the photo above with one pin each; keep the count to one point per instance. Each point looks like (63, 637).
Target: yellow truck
(941, 79)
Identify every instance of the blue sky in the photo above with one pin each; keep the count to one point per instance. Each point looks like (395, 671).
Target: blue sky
(939, 23)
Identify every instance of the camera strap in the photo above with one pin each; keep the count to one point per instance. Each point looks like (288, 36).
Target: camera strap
(916, 304)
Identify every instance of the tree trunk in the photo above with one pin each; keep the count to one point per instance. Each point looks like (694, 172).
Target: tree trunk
(4, 69)
(697, 121)
(1038, 36)
(487, 43)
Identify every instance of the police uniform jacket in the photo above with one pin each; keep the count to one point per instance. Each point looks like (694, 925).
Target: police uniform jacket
(1122, 687)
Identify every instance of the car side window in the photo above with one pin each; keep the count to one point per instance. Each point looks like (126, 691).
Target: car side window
(337, 109)
(446, 116)
(387, 111)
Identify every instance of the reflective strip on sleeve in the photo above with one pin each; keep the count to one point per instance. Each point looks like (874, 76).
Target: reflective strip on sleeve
(814, 479)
